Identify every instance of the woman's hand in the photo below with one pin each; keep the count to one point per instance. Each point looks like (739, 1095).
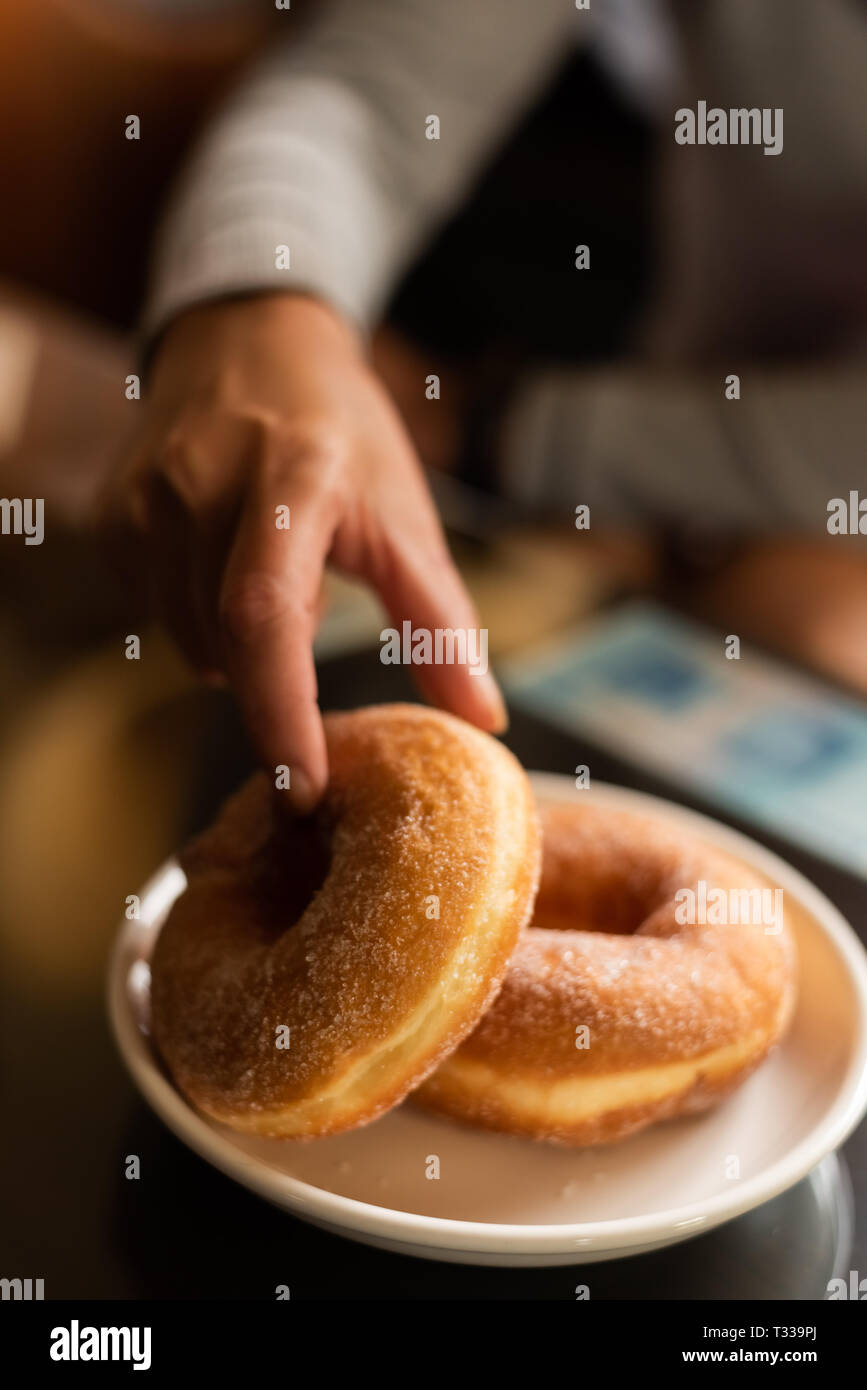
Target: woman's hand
(257, 406)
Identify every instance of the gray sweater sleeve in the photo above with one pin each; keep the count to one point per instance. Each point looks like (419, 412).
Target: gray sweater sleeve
(637, 444)
(323, 149)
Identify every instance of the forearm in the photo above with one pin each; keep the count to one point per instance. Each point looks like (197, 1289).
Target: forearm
(324, 150)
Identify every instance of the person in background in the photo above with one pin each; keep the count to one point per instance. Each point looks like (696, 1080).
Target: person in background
(341, 181)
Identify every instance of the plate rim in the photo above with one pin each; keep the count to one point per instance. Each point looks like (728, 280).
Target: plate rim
(354, 1216)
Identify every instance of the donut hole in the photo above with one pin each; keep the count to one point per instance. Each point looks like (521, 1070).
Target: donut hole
(605, 873)
(294, 867)
(612, 914)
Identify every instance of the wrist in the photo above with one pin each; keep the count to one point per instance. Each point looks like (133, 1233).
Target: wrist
(229, 328)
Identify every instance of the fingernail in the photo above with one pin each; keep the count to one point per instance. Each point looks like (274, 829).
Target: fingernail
(302, 794)
(494, 703)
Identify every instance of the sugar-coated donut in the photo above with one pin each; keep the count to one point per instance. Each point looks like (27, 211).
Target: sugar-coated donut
(676, 1014)
(312, 973)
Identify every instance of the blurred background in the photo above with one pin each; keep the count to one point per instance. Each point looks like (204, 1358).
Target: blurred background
(698, 269)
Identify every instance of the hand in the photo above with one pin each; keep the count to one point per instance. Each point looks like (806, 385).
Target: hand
(257, 405)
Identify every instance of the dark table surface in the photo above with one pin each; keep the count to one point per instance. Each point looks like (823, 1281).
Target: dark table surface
(184, 1231)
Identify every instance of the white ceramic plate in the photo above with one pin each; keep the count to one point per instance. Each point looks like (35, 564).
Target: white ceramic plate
(504, 1201)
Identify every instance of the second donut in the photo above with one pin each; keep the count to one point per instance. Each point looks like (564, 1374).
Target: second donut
(617, 1010)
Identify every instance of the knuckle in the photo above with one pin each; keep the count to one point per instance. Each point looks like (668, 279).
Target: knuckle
(308, 455)
(313, 437)
(313, 445)
(178, 465)
(260, 423)
(111, 505)
(252, 603)
(123, 515)
(138, 513)
(176, 443)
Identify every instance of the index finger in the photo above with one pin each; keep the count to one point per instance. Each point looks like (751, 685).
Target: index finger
(268, 605)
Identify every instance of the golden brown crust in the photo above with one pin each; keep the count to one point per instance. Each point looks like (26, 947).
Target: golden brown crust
(423, 814)
(676, 1013)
